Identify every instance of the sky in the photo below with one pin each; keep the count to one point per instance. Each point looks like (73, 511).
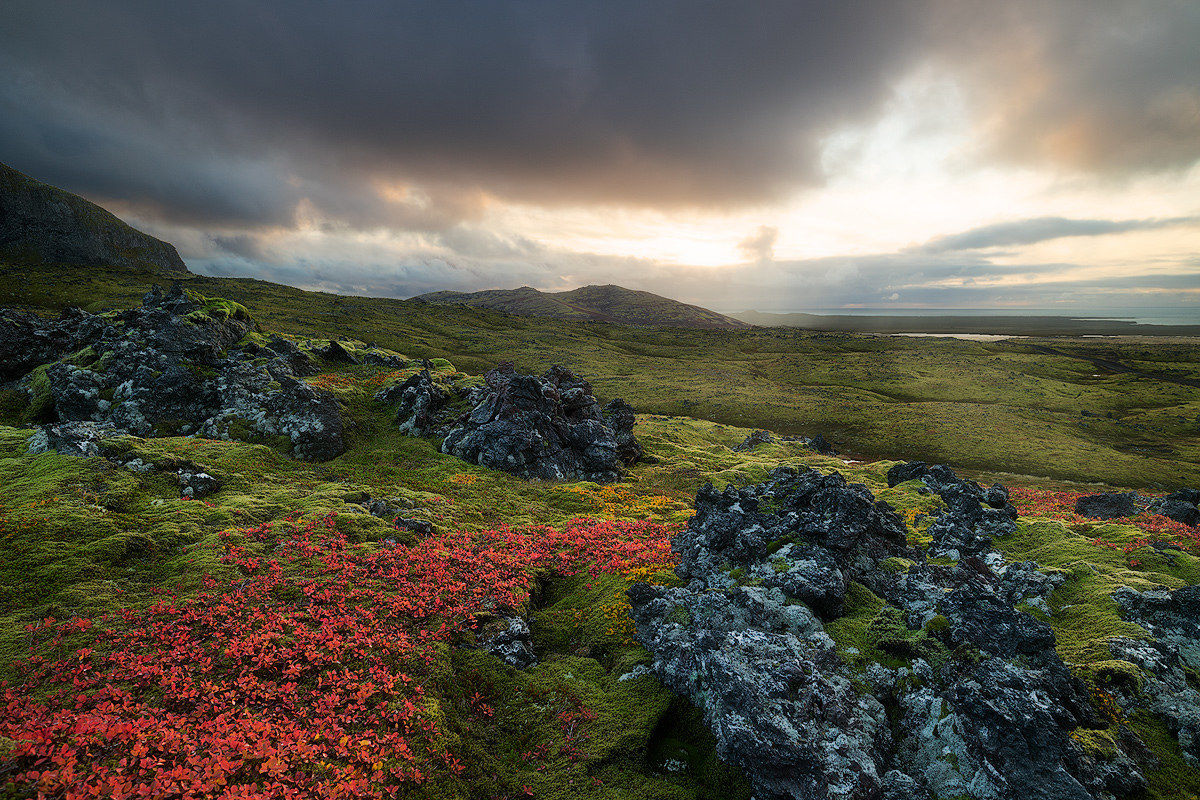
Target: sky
(780, 155)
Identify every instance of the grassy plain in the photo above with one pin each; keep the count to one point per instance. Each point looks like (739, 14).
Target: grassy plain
(996, 406)
(84, 538)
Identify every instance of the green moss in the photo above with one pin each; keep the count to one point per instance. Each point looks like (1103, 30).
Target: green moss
(872, 395)
(1172, 777)
(41, 402)
(896, 564)
(217, 308)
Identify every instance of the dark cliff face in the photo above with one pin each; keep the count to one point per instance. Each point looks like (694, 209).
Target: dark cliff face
(42, 224)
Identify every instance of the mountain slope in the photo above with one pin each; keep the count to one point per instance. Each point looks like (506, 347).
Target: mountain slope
(590, 303)
(43, 224)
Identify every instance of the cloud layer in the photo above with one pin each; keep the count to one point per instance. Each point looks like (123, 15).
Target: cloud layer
(330, 142)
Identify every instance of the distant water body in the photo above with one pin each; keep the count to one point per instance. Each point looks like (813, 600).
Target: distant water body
(1144, 316)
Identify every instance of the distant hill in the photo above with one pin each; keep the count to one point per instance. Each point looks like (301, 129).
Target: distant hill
(42, 224)
(590, 303)
(1033, 325)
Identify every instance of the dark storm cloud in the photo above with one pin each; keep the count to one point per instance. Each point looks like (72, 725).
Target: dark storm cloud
(1110, 86)
(639, 102)
(1041, 229)
(225, 124)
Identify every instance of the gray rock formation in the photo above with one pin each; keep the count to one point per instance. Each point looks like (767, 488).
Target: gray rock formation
(549, 427)
(42, 224)
(976, 700)
(171, 366)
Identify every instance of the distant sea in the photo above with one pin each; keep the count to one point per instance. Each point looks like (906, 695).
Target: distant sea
(1148, 315)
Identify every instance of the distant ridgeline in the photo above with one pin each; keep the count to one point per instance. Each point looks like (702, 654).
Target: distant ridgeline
(1033, 325)
(590, 304)
(41, 224)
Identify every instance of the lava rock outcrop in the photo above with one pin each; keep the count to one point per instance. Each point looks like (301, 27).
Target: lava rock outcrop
(949, 689)
(549, 427)
(174, 366)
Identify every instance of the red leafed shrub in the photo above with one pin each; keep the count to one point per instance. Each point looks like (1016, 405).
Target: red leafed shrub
(1061, 505)
(305, 679)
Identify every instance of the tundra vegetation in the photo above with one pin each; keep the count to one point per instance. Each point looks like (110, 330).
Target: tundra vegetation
(274, 638)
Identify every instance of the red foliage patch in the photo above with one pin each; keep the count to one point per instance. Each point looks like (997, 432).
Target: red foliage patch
(305, 679)
(1061, 506)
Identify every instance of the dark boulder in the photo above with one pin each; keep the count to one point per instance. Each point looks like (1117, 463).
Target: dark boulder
(819, 531)
(508, 639)
(197, 484)
(982, 707)
(179, 364)
(421, 403)
(753, 440)
(986, 621)
(77, 438)
(335, 351)
(621, 417)
(1180, 506)
(908, 471)
(1111, 505)
(550, 427)
(974, 515)
(772, 688)
(821, 445)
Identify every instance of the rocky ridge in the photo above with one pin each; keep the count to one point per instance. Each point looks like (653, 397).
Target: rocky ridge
(177, 364)
(963, 693)
(550, 427)
(40, 223)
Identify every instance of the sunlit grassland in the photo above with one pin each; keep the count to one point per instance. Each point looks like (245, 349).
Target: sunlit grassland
(989, 406)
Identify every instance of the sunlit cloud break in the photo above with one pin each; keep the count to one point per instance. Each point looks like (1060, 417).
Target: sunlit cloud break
(780, 156)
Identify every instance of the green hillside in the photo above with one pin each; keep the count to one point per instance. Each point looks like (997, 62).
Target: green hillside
(998, 406)
(609, 303)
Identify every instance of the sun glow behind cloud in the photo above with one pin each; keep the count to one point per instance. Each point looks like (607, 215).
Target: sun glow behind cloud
(791, 155)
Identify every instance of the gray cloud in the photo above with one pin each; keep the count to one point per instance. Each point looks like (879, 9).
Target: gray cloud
(1041, 229)
(760, 245)
(1110, 86)
(224, 125)
(660, 102)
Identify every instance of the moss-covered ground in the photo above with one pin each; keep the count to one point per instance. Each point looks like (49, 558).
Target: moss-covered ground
(83, 538)
(1000, 406)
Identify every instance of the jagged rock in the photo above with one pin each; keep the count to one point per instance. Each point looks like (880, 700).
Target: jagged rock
(753, 440)
(772, 689)
(421, 403)
(393, 512)
(1111, 505)
(550, 427)
(333, 350)
(974, 515)
(510, 640)
(78, 438)
(987, 622)
(1180, 506)
(1173, 617)
(986, 707)
(907, 471)
(197, 484)
(173, 366)
(821, 445)
(621, 417)
(821, 530)
(1164, 689)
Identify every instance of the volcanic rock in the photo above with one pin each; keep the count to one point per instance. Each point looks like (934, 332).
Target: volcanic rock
(176, 366)
(753, 440)
(1180, 506)
(550, 427)
(1111, 505)
(983, 706)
